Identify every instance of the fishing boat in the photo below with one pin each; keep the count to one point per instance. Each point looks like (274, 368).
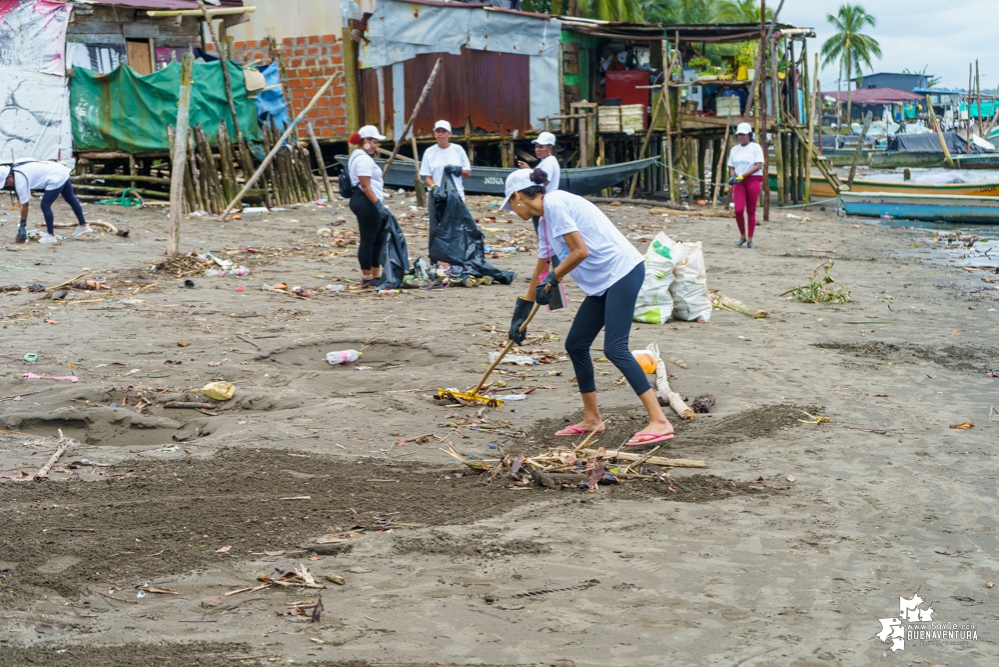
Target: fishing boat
(492, 180)
(979, 161)
(943, 208)
(820, 188)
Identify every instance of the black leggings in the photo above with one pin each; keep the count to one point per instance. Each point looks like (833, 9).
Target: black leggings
(369, 221)
(66, 190)
(611, 312)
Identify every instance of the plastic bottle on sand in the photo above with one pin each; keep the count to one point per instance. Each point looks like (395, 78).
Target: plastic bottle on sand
(342, 357)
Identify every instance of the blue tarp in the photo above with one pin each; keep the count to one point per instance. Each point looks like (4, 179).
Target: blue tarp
(271, 103)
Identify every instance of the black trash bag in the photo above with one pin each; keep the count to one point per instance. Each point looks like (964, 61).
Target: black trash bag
(454, 236)
(394, 256)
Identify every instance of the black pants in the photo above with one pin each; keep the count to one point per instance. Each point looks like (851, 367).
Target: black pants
(611, 312)
(369, 221)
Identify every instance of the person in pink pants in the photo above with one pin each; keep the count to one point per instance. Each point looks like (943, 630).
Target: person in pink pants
(745, 170)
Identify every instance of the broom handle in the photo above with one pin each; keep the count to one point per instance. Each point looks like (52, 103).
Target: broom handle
(492, 366)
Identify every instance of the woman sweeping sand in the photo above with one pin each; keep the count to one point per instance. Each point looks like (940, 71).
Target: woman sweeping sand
(609, 271)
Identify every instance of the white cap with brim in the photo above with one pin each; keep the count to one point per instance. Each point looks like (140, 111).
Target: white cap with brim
(370, 132)
(744, 128)
(515, 182)
(442, 125)
(545, 139)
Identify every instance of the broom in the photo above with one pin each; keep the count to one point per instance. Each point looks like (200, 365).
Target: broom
(474, 394)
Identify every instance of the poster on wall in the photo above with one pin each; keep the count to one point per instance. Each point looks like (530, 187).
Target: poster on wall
(33, 35)
(34, 116)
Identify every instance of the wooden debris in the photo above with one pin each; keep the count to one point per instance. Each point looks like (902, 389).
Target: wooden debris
(675, 400)
(655, 460)
(721, 301)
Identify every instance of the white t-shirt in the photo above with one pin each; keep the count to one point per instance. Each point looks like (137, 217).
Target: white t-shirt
(741, 158)
(611, 255)
(38, 176)
(550, 166)
(436, 158)
(361, 164)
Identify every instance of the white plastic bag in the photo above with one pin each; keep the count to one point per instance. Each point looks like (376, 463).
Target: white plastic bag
(689, 290)
(655, 304)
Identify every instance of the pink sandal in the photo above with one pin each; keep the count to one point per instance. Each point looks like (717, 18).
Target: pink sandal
(572, 431)
(655, 437)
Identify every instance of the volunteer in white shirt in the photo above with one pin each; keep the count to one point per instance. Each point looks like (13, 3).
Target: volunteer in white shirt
(366, 202)
(445, 159)
(745, 170)
(53, 178)
(544, 149)
(608, 269)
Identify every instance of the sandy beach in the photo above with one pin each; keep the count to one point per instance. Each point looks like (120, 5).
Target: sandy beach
(786, 550)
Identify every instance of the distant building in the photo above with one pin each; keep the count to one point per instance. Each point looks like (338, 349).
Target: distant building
(906, 82)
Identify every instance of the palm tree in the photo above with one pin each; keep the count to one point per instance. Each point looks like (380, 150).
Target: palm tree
(850, 46)
(690, 12)
(626, 11)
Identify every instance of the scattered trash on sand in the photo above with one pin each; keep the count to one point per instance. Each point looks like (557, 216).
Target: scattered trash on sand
(220, 391)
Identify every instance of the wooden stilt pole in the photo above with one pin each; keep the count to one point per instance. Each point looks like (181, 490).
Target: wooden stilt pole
(178, 159)
(320, 162)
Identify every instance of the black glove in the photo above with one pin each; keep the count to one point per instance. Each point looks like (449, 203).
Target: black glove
(543, 296)
(520, 314)
(734, 180)
(22, 232)
(452, 170)
(384, 212)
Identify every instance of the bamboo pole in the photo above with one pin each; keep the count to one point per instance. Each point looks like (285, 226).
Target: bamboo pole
(270, 156)
(968, 129)
(668, 107)
(940, 135)
(721, 164)
(320, 162)
(412, 116)
(285, 90)
(178, 157)
(978, 94)
(224, 62)
(810, 147)
(779, 154)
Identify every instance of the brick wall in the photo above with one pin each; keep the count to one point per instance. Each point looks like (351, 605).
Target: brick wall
(308, 61)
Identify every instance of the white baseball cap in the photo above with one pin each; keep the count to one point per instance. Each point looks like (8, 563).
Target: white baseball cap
(442, 125)
(744, 128)
(515, 182)
(545, 139)
(370, 132)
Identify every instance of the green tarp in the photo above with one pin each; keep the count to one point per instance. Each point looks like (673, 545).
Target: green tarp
(124, 111)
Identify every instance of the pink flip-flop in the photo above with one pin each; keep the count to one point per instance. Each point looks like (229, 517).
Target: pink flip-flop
(655, 438)
(572, 431)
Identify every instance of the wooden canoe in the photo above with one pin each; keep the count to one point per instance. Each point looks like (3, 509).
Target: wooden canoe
(822, 190)
(492, 180)
(943, 208)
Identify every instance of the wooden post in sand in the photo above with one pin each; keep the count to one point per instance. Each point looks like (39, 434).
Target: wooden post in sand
(179, 157)
(320, 162)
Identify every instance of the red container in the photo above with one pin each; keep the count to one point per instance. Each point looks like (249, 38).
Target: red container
(624, 86)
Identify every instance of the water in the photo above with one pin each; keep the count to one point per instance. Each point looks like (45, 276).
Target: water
(948, 243)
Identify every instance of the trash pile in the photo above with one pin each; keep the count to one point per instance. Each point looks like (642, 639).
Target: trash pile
(676, 284)
(573, 467)
(191, 264)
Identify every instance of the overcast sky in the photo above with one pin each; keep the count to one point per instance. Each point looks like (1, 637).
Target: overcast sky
(944, 34)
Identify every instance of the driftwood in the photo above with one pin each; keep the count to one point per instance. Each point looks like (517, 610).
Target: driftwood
(675, 400)
(64, 443)
(655, 460)
(188, 404)
(554, 480)
(728, 303)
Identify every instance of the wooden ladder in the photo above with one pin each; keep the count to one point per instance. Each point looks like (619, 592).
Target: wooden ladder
(821, 162)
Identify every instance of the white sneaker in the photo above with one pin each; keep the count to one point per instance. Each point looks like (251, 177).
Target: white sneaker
(48, 238)
(81, 230)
